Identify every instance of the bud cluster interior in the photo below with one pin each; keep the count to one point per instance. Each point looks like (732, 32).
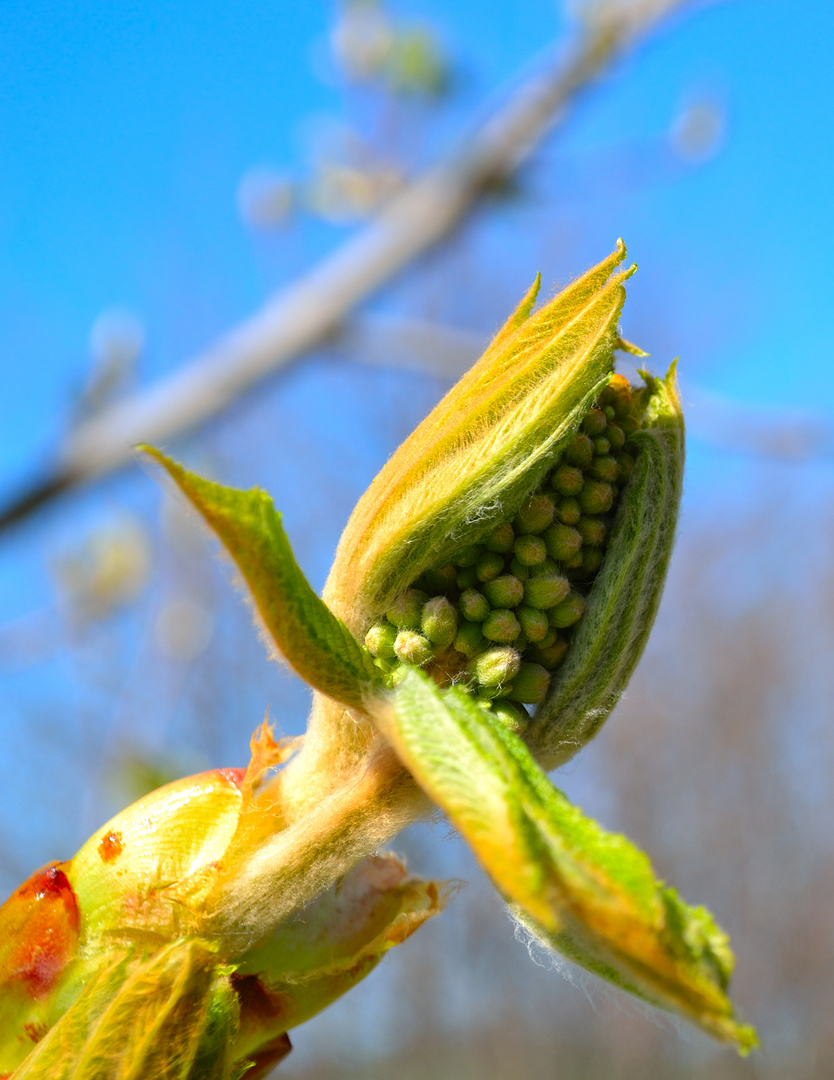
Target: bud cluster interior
(498, 619)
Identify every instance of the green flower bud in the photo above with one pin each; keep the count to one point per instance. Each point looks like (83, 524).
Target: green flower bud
(489, 566)
(535, 515)
(467, 578)
(567, 480)
(562, 542)
(468, 556)
(605, 468)
(530, 684)
(534, 624)
(549, 656)
(440, 621)
(413, 648)
(579, 451)
(501, 626)
(574, 562)
(609, 412)
(496, 666)
(601, 445)
(616, 436)
(506, 591)
(568, 511)
(501, 539)
(473, 605)
(379, 640)
(591, 560)
(511, 715)
(545, 592)
(469, 640)
(407, 610)
(592, 531)
(544, 569)
(594, 422)
(568, 612)
(596, 497)
(530, 550)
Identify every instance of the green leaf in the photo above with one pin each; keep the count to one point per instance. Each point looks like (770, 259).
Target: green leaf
(317, 644)
(588, 893)
(609, 640)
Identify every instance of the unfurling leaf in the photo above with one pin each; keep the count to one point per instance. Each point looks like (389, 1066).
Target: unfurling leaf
(610, 638)
(317, 644)
(590, 894)
(485, 447)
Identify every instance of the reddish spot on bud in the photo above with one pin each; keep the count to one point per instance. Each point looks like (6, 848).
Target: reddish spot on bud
(259, 1007)
(111, 846)
(35, 1031)
(234, 778)
(38, 931)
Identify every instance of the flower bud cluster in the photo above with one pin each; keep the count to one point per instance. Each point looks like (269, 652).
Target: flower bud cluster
(500, 616)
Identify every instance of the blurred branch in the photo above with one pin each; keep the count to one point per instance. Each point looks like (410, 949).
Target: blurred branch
(316, 305)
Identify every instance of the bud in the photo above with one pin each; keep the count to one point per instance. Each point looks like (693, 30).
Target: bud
(535, 515)
(545, 592)
(501, 539)
(380, 639)
(501, 625)
(473, 605)
(530, 684)
(406, 612)
(496, 666)
(568, 611)
(412, 648)
(506, 591)
(563, 542)
(530, 550)
(440, 621)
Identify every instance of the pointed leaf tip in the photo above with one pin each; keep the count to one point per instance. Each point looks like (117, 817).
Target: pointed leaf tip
(314, 642)
(590, 894)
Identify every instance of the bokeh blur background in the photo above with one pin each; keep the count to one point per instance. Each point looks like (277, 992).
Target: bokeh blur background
(166, 170)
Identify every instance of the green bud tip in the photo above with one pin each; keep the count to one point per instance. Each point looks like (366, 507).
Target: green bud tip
(545, 592)
(413, 648)
(473, 605)
(501, 626)
(530, 550)
(506, 591)
(535, 515)
(440, 621)
(496, 666)
(407, 611)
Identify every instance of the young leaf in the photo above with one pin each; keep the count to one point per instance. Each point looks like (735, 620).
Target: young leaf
(316, 644)
(489, 442)
(622, 604)
(590, 894)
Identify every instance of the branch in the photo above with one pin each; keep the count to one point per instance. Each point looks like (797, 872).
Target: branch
(316, 305)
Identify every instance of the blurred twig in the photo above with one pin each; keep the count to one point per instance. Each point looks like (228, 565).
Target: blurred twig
(317, 304)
